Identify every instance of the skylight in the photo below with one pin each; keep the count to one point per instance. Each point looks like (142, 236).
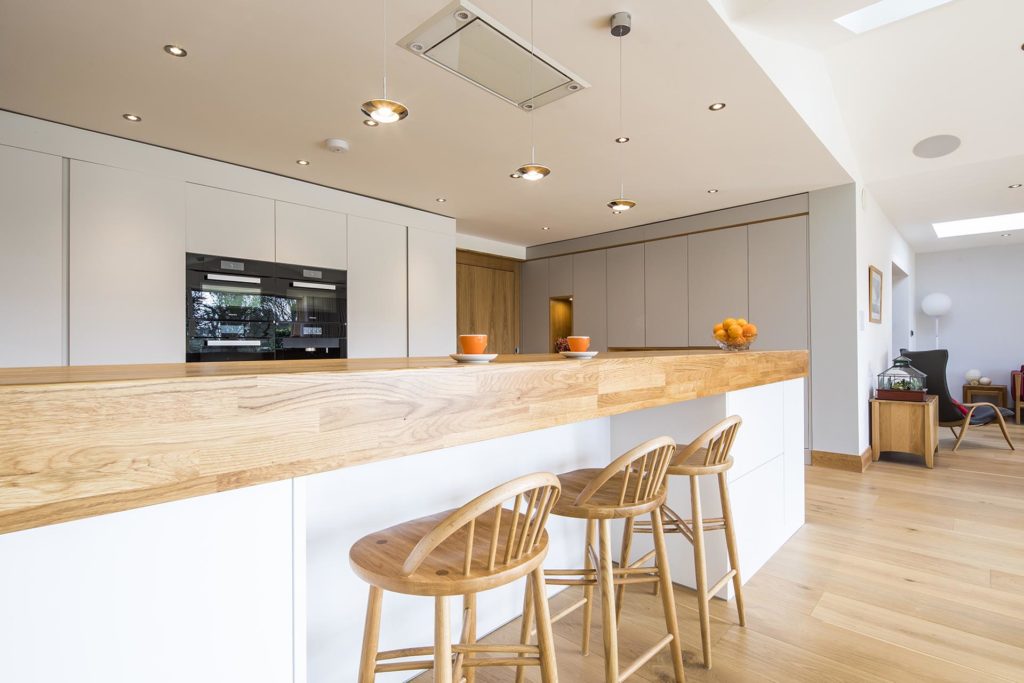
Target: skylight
(980, 226)
(885, 12)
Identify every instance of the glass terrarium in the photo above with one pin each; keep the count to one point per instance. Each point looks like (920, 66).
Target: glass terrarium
(902, 382)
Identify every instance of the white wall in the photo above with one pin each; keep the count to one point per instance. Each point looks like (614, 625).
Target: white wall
(984, 328)
(488, 246)
(879, 244)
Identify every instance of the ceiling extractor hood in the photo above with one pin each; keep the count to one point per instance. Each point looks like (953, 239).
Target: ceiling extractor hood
(472, 45)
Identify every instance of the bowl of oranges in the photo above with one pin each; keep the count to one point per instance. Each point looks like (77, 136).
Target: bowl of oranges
(735, 334)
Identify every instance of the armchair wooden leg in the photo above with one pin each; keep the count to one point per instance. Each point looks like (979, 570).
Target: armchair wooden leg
(1002, 427)
(963, 432)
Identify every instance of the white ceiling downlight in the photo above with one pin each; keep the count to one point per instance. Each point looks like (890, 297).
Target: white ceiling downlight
(980, 226)
(937, 146)
(885, 12)
(472, 45)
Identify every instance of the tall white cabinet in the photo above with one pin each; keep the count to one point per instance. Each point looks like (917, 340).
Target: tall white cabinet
(127, 267)
(432, 326)
(308, 236)
(377, 289)
(717, 273)
(226, 223)
(31, 258)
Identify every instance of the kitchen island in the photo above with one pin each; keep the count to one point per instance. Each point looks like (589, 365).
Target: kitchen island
(114, 465)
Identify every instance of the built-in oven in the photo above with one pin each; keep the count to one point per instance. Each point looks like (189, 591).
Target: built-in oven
(241, 309)
(316, 324)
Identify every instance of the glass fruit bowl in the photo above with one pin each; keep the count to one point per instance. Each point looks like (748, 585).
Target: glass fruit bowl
(737, 344)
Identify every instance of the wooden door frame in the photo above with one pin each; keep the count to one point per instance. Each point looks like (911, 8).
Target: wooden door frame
(478, 259)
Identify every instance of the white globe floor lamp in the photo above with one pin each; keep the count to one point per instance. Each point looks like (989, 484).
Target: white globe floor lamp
(936, 305)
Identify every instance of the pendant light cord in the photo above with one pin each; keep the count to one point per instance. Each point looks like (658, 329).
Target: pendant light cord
(622, 187)
(533, 48)
(385, 5)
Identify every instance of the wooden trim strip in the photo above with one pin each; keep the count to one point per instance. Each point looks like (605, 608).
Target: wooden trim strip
(842, 461)
(95, 440)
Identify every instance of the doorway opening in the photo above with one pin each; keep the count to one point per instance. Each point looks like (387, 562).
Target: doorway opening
(902, 309)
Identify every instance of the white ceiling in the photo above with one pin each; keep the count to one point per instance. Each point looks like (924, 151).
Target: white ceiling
(267, 81)
(957, 69)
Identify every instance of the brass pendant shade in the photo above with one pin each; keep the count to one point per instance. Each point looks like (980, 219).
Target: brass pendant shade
(619, 205)
(532, 172)
(385, 111)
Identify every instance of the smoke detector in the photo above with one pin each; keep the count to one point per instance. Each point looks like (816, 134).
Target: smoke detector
(464, 41)
(336, 144)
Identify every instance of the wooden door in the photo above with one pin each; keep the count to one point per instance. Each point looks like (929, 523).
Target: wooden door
(487, 299)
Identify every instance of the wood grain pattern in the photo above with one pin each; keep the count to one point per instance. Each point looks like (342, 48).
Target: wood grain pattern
(487, 299)
(905, 427)
(842, 461)
(84, 441)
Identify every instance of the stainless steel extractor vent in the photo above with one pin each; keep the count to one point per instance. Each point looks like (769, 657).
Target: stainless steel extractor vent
(468, 43)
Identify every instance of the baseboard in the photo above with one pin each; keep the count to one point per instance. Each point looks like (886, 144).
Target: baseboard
(841, 461)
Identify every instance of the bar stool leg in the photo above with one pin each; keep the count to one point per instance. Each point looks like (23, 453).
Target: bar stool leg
(668, 598)
(371, 636)
(627, 545)
(730, 542)
(469, 609)
(588, 591)
(545, 639)
(442, 641)
(701, 570)
(608, 621)
(524, 628)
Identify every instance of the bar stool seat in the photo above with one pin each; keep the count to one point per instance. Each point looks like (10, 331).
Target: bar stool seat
(481, 545)
(606, 503)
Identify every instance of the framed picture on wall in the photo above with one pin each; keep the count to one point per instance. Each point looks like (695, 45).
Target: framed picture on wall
(874, 294)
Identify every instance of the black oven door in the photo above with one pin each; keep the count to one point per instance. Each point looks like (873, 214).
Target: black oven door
(225, 340)
(317, 320)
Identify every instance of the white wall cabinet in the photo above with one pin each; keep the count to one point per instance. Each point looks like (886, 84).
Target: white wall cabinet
(377, 289)
(626, 296)
(778, 277)
(310, 237)
(432, 326)
(717, 275)
(31, 259)
(535, 306)
(666, 299)
(127, 267)
(226, 223)
(590, 298)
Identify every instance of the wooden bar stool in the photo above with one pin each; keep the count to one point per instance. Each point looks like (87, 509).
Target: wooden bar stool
(632, 485)
(707, 454)
(480, 546)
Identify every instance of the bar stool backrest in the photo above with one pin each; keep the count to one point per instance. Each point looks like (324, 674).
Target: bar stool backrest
(643, 470)
(718, 441)
(534, 493)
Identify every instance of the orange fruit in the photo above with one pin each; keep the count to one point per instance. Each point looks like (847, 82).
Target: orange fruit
(735, 331)
(718, 328)
(728, 322)
(741, 321)
(721, 335)
(749, 330)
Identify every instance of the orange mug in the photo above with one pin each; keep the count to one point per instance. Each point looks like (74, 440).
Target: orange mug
(579, 344)
(473, 343)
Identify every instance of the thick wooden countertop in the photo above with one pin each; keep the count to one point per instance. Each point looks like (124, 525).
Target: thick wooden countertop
(83, 441)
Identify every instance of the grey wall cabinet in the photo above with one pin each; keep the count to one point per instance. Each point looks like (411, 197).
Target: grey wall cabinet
(717, 280)
(534, 306)
(778, 277)
(560, 276)
(626, 296)
(590, 301)
(666, 299)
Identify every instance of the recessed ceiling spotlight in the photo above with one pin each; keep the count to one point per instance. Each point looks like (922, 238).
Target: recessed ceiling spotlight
(175, 50)
(544, 227)
(134, 118)
(515, 174)
(302, 162)
(1015, 186)
(621, 140)
(1005, 234)
(370, 122)
(712, 191)
(717, 106)
(440, 200)
(936, 146)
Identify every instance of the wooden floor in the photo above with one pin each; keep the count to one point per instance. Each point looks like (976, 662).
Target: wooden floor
(900, 574)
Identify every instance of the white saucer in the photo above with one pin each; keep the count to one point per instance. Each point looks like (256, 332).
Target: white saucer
(579, 354)
(474, 357)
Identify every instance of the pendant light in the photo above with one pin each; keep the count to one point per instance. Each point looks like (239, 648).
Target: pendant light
(384, 110)
(532, 171)
(620, 25)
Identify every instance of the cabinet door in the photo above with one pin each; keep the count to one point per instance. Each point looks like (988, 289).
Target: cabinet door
(717, 280)
(127, 267)
(778, 269)
(311, 237)
(377, 289)
(590, 298)
(431, 293)
(535, 306)
(31, 259)
(560, 276)
(626, 296)
(665, 292)
(226, 223)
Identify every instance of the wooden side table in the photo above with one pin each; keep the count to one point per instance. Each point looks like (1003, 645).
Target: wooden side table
(905, 427)
(990, 393)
